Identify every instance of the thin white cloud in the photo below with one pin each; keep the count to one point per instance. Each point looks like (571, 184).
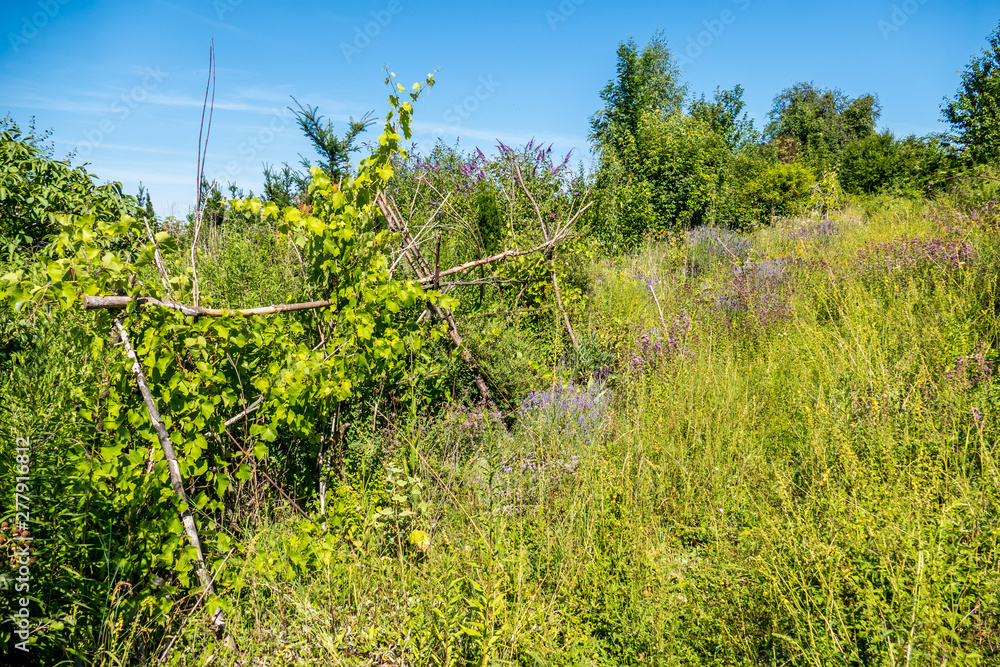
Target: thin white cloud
(133, 149)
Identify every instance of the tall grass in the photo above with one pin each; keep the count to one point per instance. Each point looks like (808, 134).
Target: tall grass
(788, 458)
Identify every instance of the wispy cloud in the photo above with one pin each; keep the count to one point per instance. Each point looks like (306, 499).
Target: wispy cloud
(131, 149)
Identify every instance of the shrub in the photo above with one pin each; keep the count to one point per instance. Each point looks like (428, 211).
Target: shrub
(780, 190)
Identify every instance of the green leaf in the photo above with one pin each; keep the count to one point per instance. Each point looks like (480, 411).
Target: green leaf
(55, 271)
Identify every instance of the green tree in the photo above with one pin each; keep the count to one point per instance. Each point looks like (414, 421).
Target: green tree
(35, 189)
(723, 116)
(821, 122)
(335, 151)
(871, 165)
(974, 113)
(285, 187)
(289, 187)
(646, 81)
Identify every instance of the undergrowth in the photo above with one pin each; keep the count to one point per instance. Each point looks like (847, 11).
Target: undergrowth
(770, 449)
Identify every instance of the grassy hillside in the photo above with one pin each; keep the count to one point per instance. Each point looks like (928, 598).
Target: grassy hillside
(777, 448)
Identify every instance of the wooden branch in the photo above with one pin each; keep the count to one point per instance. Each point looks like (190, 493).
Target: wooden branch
(420, 266)
(273, 483)
(659, 310)
(202, 155)
(538, 212)
(552, 261)
(481, 281)
(170, 645)
(119, 302)
(991, 178)
(176, 481)
(253, 407)
(555, 285)
(429, 278)
(158, 259)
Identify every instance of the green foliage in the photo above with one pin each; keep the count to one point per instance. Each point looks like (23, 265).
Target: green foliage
(975, 109)
(200, 371)
(335, 152)
(882, 163)
(778, 190)
(668, 178)
(722, 115)
(871, 164)
(821, 122)
(35, 189)
(646, 82)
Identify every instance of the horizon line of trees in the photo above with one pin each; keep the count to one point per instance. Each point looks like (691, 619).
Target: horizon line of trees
(665, 158)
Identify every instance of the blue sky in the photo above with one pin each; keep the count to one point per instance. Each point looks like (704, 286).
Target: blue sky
(123, 82)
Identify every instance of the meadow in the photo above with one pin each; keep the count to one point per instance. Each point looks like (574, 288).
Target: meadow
(774, 448)
(729, 398)
(795, 464)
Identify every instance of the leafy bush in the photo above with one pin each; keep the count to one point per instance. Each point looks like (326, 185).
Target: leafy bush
(668, 180)
(780, 190)
(35, 189)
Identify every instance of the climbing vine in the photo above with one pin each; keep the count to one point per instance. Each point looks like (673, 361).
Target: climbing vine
(198, 397)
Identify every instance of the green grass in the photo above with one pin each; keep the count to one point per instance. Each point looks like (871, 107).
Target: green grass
(811, 489)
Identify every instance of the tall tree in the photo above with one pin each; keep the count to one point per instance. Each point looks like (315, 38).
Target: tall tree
(822, 122)
(647, 81)
(974, 113)
(723, 116)
(35, 189)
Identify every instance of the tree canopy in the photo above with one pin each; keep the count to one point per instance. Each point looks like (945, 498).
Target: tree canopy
(646, 81)
(822, 122)
(35, 188)
(974, 113)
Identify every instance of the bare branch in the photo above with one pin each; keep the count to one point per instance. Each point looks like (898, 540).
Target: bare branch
(508, 312)
(173, 468)
(158, 259)
(202, 155)
(507, 254)
(119, 302)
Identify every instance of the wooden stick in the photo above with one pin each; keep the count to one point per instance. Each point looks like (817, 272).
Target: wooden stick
(657, 301)
(552, 261)
(509, 312)
(119, 302)
(272, 482)
(419, 265)
(176, 481)
(555, 285)
(202, 154)
(170, 645)
(158, 259)
(429, 277)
